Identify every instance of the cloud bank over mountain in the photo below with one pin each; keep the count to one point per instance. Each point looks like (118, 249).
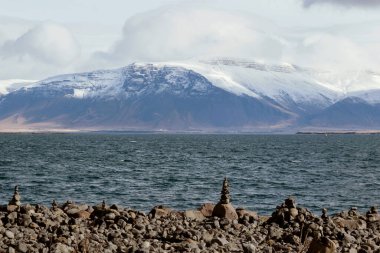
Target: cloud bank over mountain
(182, 32)
(177, 33)
(347, 3)
(46, 46)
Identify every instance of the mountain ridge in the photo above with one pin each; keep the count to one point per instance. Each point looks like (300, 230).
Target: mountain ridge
(213, 95)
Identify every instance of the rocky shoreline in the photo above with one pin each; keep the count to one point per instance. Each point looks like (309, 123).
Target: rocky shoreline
(70, 227)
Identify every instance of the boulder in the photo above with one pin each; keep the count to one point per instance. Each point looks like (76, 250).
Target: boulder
(225, 211)
(206, 209)
(322, 245)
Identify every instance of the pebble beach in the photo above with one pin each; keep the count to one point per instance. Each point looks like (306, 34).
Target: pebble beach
(212, 227)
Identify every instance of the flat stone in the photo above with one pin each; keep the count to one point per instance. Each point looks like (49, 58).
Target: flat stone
(194, 215)
(350, 224)
(72, 211)
(12, 208)
(110, 216)
(83, 207)
(82, 215)
(220, 241)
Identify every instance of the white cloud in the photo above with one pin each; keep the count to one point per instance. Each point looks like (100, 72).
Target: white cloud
(182, 33)
(346, 3)
(328, 51)
(48, 43)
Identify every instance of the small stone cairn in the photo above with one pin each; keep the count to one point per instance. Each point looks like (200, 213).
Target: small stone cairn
(224, 208)
(373, 215)
(16, 199)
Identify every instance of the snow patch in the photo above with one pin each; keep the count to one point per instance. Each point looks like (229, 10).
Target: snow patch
(7, 86)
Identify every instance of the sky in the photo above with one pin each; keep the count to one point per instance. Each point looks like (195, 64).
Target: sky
(43, 38)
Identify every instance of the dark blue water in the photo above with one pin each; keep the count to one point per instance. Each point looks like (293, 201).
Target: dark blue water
(183, 171)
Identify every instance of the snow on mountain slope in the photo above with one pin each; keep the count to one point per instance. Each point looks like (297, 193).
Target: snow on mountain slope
(88, 84)
(370, 96)
(286, 84)
(220, 93)
(10, 85)
(290, 86)
(139, 96)
(361, 83)
(133, 80)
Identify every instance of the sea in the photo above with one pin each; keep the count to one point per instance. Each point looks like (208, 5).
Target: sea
(183, 171)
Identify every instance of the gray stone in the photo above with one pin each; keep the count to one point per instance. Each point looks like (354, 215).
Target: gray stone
(9, 234)
(145, 245)
(22, 247)
(220, 241)
(249, 248)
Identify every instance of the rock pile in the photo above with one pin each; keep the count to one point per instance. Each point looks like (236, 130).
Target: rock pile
(71, 227)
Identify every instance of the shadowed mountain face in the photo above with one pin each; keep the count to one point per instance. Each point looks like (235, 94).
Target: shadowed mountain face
(348, 113)
(144, 97)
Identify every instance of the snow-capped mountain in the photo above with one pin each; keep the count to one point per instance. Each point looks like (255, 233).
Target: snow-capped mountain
(216, 94)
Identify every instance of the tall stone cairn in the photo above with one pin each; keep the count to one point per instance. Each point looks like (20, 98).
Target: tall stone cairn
(224, 209)
(16, 199)
(225, 197)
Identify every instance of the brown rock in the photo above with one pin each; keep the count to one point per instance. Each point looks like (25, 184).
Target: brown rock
(293, 212)
(225, 211)
(160, 211)
(242, 212)
(206, 209)
(350, 224)
(322, 245)
(12, 208)
(81, 214)
(194, 215)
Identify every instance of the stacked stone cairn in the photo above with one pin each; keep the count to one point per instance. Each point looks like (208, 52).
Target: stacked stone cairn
(224, 208)
(16, 199)
(74, 228)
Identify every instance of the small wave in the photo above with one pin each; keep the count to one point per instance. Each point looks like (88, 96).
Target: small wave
(5, 162)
